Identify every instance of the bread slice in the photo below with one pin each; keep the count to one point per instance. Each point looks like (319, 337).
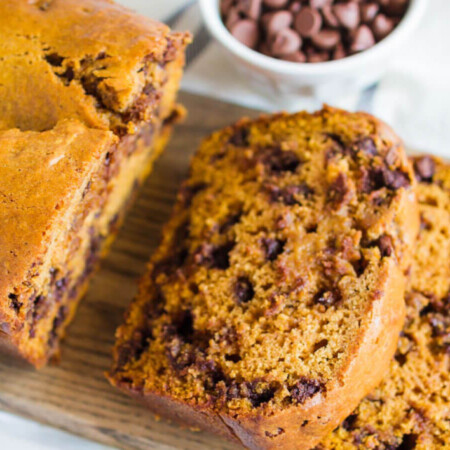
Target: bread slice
(411, 407)
(274, 302)
(106, 68)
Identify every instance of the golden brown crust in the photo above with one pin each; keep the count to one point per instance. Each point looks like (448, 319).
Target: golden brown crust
(87, 59)
(274, 303)
(94, 86)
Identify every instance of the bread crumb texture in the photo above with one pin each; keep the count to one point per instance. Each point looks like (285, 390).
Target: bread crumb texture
(270, 265)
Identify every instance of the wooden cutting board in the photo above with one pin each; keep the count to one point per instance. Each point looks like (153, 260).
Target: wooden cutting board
(74, 395)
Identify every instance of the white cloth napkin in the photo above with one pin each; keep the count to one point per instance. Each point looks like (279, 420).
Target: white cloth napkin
(414, 98)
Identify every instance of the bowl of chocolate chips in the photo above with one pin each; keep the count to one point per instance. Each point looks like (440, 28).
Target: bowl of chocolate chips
(323, 49)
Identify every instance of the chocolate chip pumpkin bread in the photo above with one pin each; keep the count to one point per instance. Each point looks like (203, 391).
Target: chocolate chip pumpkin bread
(104, 68)
(411, 408)
(274, 302)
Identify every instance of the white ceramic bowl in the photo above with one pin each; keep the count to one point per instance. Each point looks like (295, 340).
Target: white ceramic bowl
(285, 81)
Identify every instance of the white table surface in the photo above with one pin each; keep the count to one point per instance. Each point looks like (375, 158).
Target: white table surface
(414, 97)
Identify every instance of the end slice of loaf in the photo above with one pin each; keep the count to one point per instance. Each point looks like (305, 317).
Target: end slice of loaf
(411, 408)
(274, 302)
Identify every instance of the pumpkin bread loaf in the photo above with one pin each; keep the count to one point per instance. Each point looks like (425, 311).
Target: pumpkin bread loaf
(274, 302)
(107, 72)
(411, 408)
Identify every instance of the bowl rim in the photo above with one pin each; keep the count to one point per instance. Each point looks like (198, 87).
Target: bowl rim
(215, 25)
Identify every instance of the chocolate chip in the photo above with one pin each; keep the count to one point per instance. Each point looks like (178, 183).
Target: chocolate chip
(233, 17)
(328, 298)
(277, 21)
(279, 160)
(369, 12)
(326, 39)
(317, 4)
(246, 31)
(250, 8)
(289, 195)
(425, 169)
(339, 191)
(257, 396)
(297, 57)
(14, 303)
(271, 435)
(240, 137)
(339, 52)
(409, 442)
(285, 42)
(275, 4)
(295, 7)
(347, 14)
(54, 59)
(329, 18)
(382, 26)
(304, 389)
(401, 359)
(395, 179)
(273, 248)
(367, 146)
(243, 290)
(216, 257)
(363, 39)
(316, 56)
(308, 22)
(350, 422)
(385, 245)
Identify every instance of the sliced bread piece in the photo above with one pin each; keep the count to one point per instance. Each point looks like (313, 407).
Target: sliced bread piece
(411, 408)
(274, 302)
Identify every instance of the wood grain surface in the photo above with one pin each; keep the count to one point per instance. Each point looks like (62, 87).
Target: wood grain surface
(74, 395)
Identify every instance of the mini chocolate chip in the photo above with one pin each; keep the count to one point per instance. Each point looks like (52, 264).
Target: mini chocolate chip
(339, 52)
(14, 302)
(395, 179)
(221, 256)
(409, 442)
(240, 137)
(259, 398)
(326, 39)
(233, 358)
(401, 359)
(328, 298)
(54, 59)
(367, 146)
(304, 389)
(363, 39)
(350, 422)
(275, 434)
(289, 195)
(243, 290)
(285, 42)
(246, 31)
(273, 248)
(382, 26)
(308, 22)
(232, 18)
(281, 161)
(216, 257)
(339, 191)
(277, 21)
(425, 168)
(385, 245)
(250, 8)
(347, 14)
(298, 57)
(369, 12)
(329, 17)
